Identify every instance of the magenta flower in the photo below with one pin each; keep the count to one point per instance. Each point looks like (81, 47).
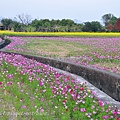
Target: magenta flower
(105, 117)
(75, 86)
(41, 83)
(42, 99)
(73, 81)
(11, 76)
(64, 101)
(53, 91)
(68, 86)
(24, 106)
(81, 88)
(101, 103)
(9, 83)
(74, 109)
(0, 83)
(114, 112)
(21, 72)
(57, 82)
(71, 91)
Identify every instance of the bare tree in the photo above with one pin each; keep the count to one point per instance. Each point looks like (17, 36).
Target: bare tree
(25, 18)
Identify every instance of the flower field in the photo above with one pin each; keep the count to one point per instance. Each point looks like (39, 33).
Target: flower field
(102, 53)
(67, 34)
(30, 90)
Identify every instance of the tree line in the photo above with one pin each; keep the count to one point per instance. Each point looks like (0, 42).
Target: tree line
(24, 23)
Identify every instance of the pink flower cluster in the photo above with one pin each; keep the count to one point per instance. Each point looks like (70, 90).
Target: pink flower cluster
(102, 53)
(62, 89)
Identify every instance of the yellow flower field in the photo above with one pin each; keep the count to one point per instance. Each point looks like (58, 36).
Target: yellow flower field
(69, 34)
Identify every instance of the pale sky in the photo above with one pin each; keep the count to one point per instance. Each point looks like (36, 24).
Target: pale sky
(83, 10)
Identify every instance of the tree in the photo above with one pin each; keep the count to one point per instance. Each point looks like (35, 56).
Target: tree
(35, 23)
(106, 18)
(53, 23)
(117, 25)
(110, 27)
(113, 20)
(96, 26)
(25, 19)
(67, 22)
(17, 26)
(87, 27)
(70, 22)
(7, 23)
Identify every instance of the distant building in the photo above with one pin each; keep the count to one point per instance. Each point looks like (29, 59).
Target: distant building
(2, 27)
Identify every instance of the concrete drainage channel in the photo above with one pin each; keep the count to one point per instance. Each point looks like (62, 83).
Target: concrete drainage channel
(4, 43)
(98, 93)
(106, 85)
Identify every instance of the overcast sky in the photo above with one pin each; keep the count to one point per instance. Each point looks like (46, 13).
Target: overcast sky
(83, 10)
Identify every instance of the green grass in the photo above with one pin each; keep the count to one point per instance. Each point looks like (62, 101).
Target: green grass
(60, 48)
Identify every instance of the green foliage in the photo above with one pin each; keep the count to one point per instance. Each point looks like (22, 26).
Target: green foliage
(7, 23)
(107, 18)
(93, 26)
(26, 24)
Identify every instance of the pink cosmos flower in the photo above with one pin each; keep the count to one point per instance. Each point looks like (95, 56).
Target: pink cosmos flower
(64, 101)
(42, 99)
(44, 90)
(0, 83)
(114, 112)
(81, 88)
(24, 106)
(75, 86)
(82, 109)
(41, 83)
(9, 83)
(42, 110)
(57, 82)
(101, 103)
(74, 109)
(71, 91)
(21, 72)
(21, 90)
(118, 112)
(73, 81)
(11, 76)
(105, 117)
(18, 83)
(68, 86)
